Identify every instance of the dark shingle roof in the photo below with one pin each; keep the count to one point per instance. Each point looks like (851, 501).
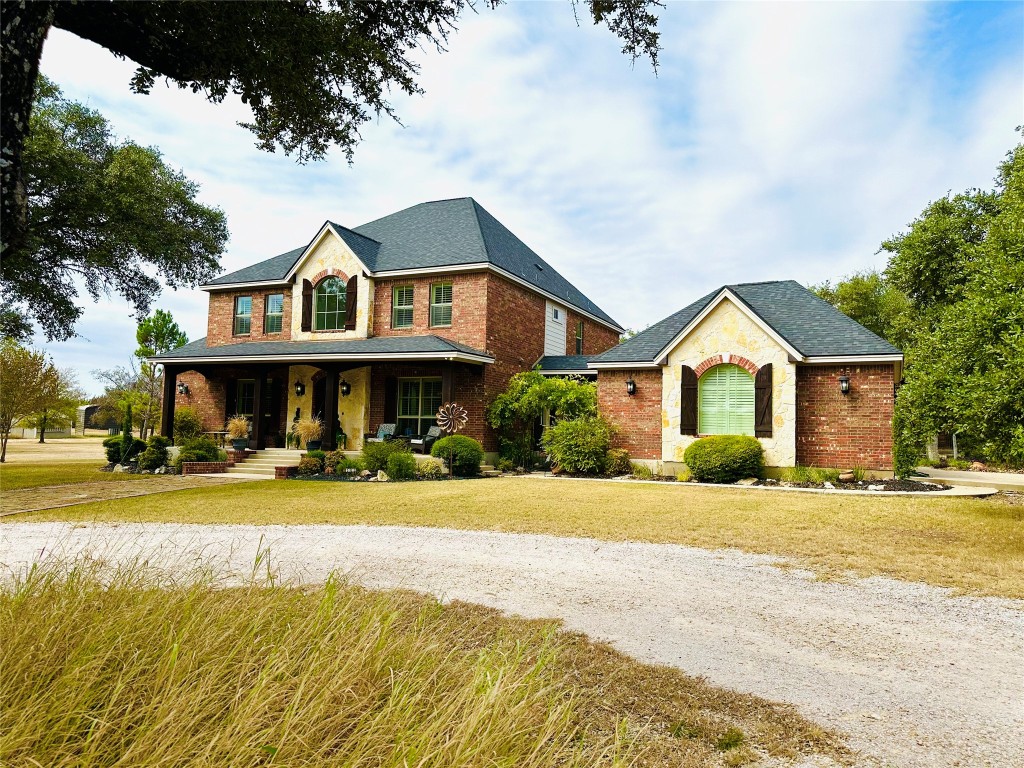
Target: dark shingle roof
(808, 323)
(443, 233)
(555, 363)
(377, 345)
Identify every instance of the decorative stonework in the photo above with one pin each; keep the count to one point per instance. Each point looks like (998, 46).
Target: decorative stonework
(726, 359)
(325, 273)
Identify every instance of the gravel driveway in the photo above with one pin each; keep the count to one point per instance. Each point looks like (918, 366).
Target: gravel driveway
(913, 676)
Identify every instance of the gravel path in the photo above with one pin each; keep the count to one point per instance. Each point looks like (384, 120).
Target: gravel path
(915, 677)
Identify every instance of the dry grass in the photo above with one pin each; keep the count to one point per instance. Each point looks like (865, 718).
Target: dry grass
(124, 668)
(972, 545)
(15, 476)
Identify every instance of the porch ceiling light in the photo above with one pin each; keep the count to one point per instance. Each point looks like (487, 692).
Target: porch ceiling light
(182, 388)
(300, 389)
(844, 384)
(346, 388)
(630, 386)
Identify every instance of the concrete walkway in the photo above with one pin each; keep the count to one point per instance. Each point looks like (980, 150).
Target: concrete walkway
(1004, 481)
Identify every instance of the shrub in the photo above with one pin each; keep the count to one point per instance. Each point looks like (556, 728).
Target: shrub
(375, 455)
(430, 469)
(641, 471)
(725, 458)
(332, 459)
(799, 474)
(462, 454)
(617, 462)
(120, 449)
(319, 455)
(187, 425)
(198, 449)
(401, 466)
(579, 446)
(346, 464)
(155, 455)
(505, 465)
(310, 465)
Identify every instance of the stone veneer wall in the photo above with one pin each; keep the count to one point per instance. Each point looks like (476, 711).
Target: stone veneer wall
(845, 431)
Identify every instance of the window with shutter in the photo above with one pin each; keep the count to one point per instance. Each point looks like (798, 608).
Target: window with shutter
(329, 305)
(725, 401)
(440, 304)
(401, 307)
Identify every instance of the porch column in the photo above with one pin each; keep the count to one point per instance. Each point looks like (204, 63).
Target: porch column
(330, 407)
(258, 418)
(167, 406)
(447, 383)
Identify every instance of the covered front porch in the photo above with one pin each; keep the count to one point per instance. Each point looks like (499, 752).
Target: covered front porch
(353, 391)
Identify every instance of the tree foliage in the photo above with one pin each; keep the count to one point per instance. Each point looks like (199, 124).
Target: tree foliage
(23, 376)
(14, 326)
(529, 394)
(59, 398)
(158, 334)
(311, 71)
(874, 302)
(109, 214)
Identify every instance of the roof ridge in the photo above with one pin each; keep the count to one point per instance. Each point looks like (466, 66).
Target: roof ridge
(349, 229)
(475, 208)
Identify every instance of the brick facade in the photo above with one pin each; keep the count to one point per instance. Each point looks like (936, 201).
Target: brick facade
(845, 431)
(204, 467)
(637, 418)
(469, 308)
(596, 337)
(748, 365)
(221, 319)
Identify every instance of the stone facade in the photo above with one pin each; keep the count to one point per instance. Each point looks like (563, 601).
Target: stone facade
(636, 418)
(845, 431)
(729, 331)
(330, 256)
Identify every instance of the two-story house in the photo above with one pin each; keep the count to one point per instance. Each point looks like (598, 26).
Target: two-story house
(381, 323)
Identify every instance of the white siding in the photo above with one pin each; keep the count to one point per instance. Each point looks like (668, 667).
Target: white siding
(554, 329)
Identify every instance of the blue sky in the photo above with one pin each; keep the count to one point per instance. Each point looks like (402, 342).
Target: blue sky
(778, 141)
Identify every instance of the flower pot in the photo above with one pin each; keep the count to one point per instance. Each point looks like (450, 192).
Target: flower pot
(240, 444)
(313, 445)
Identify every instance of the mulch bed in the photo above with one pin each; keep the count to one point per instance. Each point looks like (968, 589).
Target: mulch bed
(911, 486)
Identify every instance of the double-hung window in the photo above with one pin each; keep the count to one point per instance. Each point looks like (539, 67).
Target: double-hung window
(273, 313)
(579, 337)
(245, 397)
(401, 307)
(440, 304)
(725, 401)
(329, 303)
(243, 316)
(418, 402)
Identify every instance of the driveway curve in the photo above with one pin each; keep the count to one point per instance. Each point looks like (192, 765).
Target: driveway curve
(914, 676)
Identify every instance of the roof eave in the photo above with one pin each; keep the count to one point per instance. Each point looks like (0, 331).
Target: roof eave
(296, 358)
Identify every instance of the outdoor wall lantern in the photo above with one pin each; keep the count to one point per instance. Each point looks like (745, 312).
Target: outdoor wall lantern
(844, 384)
(346, 388)
(630, 386)
(300, 389)
(182, 388)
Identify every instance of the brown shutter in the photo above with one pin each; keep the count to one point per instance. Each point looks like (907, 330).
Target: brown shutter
(307, 305)
(351, 294)
(763, 401)
(390, 400)
(688, 402)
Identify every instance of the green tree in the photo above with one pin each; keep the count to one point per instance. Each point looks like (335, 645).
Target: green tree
(125, 394)
(514, 413)
(23, 373)
(967, 371)
(155, 335)
(874, 302)
(312, 71)
(109, 213)
(15, 326)
(59, 398)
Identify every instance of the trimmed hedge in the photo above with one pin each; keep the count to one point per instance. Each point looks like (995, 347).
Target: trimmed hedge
(463, 453)
(401, 466)
(376, 455)
(115, 448)
(310, 465)
(579, 446)
(725, 458)
(197, 449)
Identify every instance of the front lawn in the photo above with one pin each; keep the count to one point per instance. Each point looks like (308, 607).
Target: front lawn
(125, 669)
(973, 545)
(14, 475)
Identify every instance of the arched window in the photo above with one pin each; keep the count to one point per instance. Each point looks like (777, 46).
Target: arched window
(725, 401)
(329, 302)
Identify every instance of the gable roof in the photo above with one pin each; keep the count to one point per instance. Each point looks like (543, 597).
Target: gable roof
(801, 319)
(436, 235)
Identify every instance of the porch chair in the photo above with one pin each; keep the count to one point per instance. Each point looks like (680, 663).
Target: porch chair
(384, 433)
(425, 442)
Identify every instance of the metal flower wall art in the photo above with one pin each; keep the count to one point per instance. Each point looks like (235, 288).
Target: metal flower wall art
(451, 417)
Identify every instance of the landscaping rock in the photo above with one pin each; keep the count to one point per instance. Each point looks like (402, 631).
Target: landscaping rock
(365, 473)
(847, 477)
(876, 487)
(382, 476)
(118, 468)
(747, 481)
(828, 485)
(977, 466)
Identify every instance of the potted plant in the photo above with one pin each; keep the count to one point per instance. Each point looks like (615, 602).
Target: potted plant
(238, 429)
(309, 431)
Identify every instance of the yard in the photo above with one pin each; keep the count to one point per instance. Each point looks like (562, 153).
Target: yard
(972, 545)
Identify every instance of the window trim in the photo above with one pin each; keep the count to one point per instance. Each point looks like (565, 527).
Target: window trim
(420, 417)
(579, 337)
(441, 305)
(339, 312)
(237, 316)
(267, 314)
(702, 427)
(395, 306)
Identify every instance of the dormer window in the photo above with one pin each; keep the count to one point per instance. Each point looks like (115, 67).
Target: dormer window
(329, 300)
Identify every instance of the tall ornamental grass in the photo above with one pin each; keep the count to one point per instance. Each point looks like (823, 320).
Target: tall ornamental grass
(122, 668)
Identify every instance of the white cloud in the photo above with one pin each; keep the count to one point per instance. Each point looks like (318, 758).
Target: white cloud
(778, 141)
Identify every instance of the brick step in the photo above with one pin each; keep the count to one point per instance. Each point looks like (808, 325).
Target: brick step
(486, 468)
